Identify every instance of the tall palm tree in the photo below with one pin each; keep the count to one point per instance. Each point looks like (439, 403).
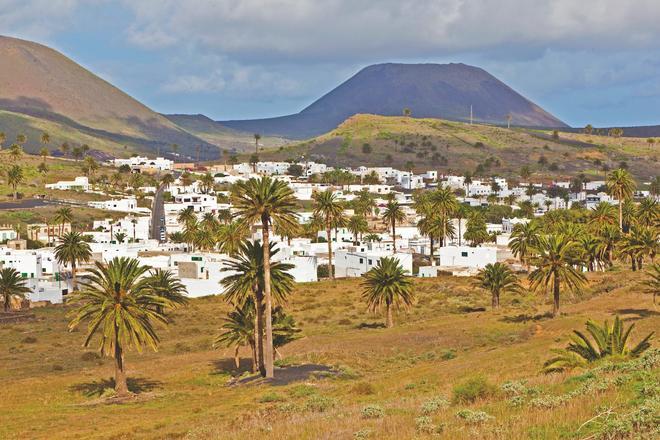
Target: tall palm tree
(555, 259)
(392, 215)
(270, 202)
(62, 216)
(497, 278)
(523, 239)
(230, 237)
(118, 302)
(357, 225)
(12, 285)
(387, 284)
(167, 180)
(328, 207)
(45, 139)
(15, 177)
(444, 202)
(620, 185)
(187, 216)
(639, 243)
(602, 215)
(206, 183)
(247, 281)
(120, 237)
(72, 251)
(238, 330)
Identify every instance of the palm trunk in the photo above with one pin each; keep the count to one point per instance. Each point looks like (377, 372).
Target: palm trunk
(237, 359)
(74, 281)
(431, 238)
(121, 385)
(620, 215)
(634, 264)
(328, 231)
(496, 300)
(460, 233)
(555, 295)
(259, 334)
(7, 304)
(389, 320)
(268, 349)
(393, 236)
(254, 358)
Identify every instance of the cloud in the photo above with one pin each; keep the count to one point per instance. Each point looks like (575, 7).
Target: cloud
(363, 29)
(36, 18)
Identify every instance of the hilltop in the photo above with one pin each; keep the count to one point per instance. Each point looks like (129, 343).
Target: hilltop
(38, 83)
(429, 90)
(450, 146)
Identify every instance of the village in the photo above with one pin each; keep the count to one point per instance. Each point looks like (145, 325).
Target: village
(359, 238)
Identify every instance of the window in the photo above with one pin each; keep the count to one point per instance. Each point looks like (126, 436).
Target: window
(196, 258)
(464, 254)
(361, 260)
(371, 262)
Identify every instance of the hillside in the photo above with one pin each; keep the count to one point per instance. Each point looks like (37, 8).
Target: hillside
(458, 147)
(42, 83)
(217, 134)
(429, 90)
(51, 385)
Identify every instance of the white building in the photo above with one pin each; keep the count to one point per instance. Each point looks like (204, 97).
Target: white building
(144, 163)
(80, 183)
(272, 168)
(354, 262)
(466, 256)
(128, 204)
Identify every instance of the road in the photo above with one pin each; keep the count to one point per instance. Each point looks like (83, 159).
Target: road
(157, 212)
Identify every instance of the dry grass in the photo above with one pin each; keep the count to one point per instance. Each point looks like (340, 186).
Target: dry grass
(49, 382)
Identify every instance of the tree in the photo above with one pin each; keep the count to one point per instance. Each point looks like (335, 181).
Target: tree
(12, 285)
(476, 231)
(77, 153)
(621, 186)
(328, 207)
(555, 259)
(120, 237)
(653, 282)
(257, 137)
(358, 226)
(15, 152)
(648, 212)
(21, 139)
(163, 284)
(62, 216)
(444, 203)
(167, 180)
(295, 170)
(72, 251)
(14, 178)
(118, 302)
(270, 202)
(3, 138)
(230, 237)
(247, 284)
(407, 112)
(588, 129)
(43, 152)
(90, 166)
(605, 341)
(497, 278)
(387, 284)
(602, 215)
(42, 168)
(207, 182)
(64, 148)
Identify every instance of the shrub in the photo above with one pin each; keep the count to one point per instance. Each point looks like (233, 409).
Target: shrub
(449, 354)
(271, 397)
(372, 412)
(363, 388)
(57, 368)
(318, 403)
(470, 416)
(472, 389)
(514, 388)
(434, 405)
(29, 340)
(424, 424)
(302, 390)
(362, 434)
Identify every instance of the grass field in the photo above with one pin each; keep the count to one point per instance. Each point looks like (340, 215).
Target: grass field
(382, 383)
(456, 147)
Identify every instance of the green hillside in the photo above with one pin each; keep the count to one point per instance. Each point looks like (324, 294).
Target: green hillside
(455, 147)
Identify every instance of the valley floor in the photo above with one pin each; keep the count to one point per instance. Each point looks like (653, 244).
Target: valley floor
(51, 385)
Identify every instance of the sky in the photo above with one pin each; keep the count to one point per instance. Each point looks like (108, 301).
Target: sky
(586, 61)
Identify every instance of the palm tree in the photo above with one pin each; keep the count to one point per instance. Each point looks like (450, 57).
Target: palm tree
(62, 216)
(118, 302)
(247, 282)
(187, 216)
(602, 215)
(43, 152)
(257, 137)
(12, 285)
(64, 148)
(476, 230)
(653, 283)
(45, 138)
(523, 239)
(497, 278)
(14, 178)
(605, 341)
(3, 138)
(555, 259)
(207, 182)
(387, 284)
(72, 251)
(639, 243)
(444, 202)
(238, 331)
(270, 202)
(358, 226)
(230, 237)
(620, 185)
(120, 237)
(648, 212)
(163, 284)
(392, 215)
(328, 207)
(167, 180)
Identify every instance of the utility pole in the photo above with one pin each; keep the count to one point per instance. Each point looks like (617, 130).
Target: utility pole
(470, 114)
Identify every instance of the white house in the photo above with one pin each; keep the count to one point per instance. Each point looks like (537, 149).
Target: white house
(80, 183)
(466, 256)
(144, 163)
(353, 262)
(128, 204)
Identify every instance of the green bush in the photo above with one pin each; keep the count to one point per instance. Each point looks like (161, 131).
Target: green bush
(472, 389)
(318, 403)
(474, 416)
(302, 390)
(271, 397)
(434, 405)
(372, 412)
